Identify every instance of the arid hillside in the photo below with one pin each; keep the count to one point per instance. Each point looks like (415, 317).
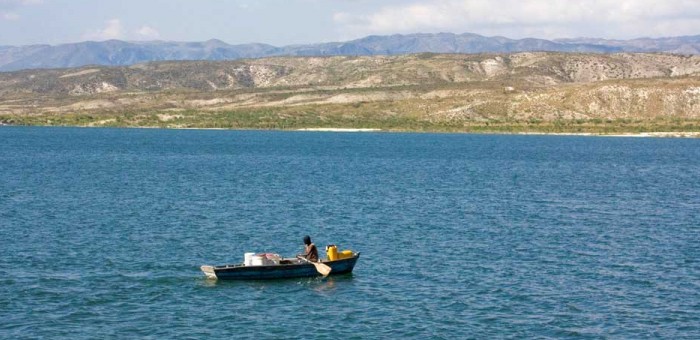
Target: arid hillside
(425, 91)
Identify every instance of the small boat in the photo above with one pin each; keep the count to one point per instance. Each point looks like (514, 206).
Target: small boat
(283, 269)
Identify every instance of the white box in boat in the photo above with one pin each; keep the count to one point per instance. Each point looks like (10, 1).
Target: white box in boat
(248, 259)
(261, 260)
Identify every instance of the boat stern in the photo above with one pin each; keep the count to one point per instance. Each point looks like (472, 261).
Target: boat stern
(209, 272)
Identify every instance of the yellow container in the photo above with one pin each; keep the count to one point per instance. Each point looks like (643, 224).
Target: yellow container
(345, 254)
(332, 252)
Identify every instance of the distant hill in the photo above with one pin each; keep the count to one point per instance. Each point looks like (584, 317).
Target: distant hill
(425, 91)
(122, 53)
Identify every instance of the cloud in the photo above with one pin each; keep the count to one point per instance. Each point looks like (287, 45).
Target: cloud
(8, 8)
(9, 15)
(5, 4)
(112, 30)
(147, 33)
(520, 18)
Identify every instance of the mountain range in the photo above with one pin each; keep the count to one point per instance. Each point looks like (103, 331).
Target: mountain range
(122, 53)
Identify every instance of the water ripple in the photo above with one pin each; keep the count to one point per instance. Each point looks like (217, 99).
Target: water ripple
(462, 236)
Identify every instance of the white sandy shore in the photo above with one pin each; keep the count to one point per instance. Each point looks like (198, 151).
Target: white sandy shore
(661, 134)
(639, 135)
(339, 130)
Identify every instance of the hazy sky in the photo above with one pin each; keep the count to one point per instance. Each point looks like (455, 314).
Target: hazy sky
(284, 22)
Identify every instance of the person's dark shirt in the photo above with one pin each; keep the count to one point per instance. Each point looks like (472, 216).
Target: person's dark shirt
(311, 253)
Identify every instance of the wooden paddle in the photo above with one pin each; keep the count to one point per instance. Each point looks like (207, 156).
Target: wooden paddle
(321, 268)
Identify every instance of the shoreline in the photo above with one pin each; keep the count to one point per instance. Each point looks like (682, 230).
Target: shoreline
(659, 134)
(688, 134)
(339, 130)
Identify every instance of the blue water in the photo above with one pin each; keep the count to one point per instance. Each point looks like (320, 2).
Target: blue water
(462, 236)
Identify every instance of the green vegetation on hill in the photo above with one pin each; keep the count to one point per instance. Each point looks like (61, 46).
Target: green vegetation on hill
(348, 116)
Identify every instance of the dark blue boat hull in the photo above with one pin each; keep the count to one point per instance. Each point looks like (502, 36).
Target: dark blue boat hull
(284, 271)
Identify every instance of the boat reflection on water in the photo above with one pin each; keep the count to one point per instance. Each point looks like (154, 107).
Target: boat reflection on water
(319, 284)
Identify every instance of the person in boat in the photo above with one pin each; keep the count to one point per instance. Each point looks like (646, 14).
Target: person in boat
(310, 250)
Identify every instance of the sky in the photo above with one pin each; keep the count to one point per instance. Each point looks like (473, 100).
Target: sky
(287, 22)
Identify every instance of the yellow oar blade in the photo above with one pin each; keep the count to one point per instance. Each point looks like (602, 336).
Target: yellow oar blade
(323, 269)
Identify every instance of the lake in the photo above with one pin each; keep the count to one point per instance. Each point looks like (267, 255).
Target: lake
(462, 236)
